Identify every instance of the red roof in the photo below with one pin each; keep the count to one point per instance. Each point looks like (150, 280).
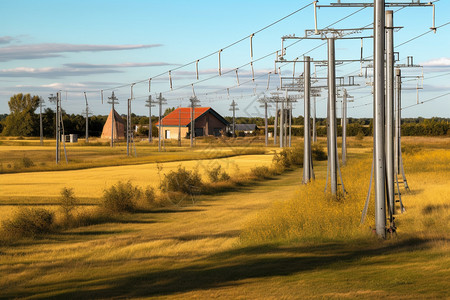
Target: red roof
(182, 116)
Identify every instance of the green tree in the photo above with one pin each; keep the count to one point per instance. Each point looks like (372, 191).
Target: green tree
(168, 111)
(22, 121)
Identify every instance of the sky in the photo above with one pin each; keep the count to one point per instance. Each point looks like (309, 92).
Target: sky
(90, 46)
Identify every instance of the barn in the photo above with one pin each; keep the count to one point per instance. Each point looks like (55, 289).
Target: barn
(207, 122)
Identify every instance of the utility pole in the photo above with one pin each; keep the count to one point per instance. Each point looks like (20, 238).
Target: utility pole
(390, 179)
(87, 118)
(345, 99)
(129, 129)
(112, 100)
(179, 125)
(265, 104)
(233, 108)
(378, 117)
(314, 122)
(41, 128)
(149, 104)
(282, 124)
(194, 103)
(160, 102)
(275, 124)
(306, 128)
(332, 132)
(55, 99)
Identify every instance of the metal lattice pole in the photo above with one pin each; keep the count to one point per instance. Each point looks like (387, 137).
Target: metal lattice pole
(332, 116)
(390, 112)
(160, 125)
(87, 118)
(55, 99)
(149, 104)
(378, 117)
(282, 124)
(275, 124)
(233, 108)
(398, 76)
(58, 130)
(307, 129)
(314, 123)
(41, 129)
(194, 102)
(112, 101)
(344, 127)
(266, 128)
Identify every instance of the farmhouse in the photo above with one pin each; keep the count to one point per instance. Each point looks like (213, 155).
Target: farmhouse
(119, 130)
(206, 122)
(246, 128)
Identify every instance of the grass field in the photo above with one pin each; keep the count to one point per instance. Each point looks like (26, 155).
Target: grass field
(212, 249)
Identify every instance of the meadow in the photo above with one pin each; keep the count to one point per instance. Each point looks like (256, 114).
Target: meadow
(271, 239)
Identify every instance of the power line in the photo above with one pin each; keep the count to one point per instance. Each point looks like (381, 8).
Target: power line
(425, 101)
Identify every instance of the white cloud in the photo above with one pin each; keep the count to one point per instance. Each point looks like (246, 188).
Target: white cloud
(46, 50)
(49, 72)
(122, 65)
(438, 62)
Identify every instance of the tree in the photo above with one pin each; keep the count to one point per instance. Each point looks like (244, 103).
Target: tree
(168, 111)
(22, 121)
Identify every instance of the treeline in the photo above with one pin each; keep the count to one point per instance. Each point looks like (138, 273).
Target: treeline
(24, 121)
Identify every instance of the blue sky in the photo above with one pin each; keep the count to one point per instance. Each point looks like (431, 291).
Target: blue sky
(92, 45)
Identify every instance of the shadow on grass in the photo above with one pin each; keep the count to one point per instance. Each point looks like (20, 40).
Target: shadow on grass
(230, 267)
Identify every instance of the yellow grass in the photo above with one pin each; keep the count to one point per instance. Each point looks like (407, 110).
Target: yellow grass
(312, 215)
(88, 184)
(197, 253)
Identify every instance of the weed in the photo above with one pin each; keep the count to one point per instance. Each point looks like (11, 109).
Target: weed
(28, 222)
(217, 174)
(68, 202)
(121, 197)
(318, 153)
(262, 172)
(182, 180)
(27, 162)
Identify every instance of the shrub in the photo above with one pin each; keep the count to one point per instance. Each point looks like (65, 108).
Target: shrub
(182, 180)
(149, 197)
(287, 158)
(216, 174)
(318, 153)
(28, 222)
(121, 197)
(27, 162)
(360, 135)
(262, 172)
(68, 201)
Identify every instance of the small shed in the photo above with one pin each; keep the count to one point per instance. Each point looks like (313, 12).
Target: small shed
(119, 128)
(246, 128)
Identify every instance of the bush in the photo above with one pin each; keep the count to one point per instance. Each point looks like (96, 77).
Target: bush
(121, 197)
(181, 180)
(287, 158)
(28, 222)
(216, 174)
(318, 153)
(68, 201)
(27, 162)
(359, 136)
(262, 172)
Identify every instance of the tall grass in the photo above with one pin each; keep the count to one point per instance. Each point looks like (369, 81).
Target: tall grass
(317, 216)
